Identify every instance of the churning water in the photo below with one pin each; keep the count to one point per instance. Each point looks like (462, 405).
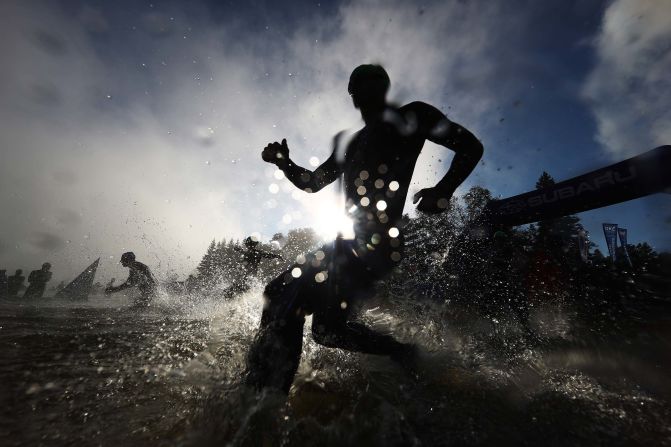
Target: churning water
(102, 373)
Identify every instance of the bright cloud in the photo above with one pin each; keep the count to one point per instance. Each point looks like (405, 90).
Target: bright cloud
(629, 89)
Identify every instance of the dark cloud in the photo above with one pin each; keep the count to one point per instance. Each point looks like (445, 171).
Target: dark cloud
(47, 241)
(50, 43)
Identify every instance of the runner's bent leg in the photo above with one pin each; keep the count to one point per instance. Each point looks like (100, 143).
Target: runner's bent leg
(273, 358)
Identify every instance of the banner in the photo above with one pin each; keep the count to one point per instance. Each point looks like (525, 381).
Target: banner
(622, 232)
(610, 231)
(583, 245)
(635, 177)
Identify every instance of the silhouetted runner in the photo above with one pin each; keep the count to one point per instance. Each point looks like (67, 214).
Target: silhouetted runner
(14, 283)
(251, 259)
(139, 276)
(38, 280)
(3, 284)
(376, 166)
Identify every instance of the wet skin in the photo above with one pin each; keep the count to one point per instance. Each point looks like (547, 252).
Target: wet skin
(376, 167)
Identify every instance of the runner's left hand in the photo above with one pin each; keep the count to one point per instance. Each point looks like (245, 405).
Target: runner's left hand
(432, 200)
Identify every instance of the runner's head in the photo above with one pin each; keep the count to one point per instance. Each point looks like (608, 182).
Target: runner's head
(368, 86)
(46, 266)
(250, 242)
(127, 258)
(18, 272)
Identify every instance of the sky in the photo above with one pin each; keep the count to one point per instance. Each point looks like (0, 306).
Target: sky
(135, 125)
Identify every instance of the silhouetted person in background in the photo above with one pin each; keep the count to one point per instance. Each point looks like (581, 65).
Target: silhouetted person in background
(14, 283)
(139, 276)
(190, 284)
(38, 280)
(252, 256)
(251, 259)
(3, 284)
(376, 167)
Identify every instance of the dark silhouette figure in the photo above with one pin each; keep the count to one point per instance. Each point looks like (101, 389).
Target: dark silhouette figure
(251, 259)
(3, 283)
(139, 276)
(376, 166)
(38, 280)
(14, 283)
(190, 284)
(253, 256)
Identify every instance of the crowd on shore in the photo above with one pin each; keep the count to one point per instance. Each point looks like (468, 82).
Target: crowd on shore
(11, 286)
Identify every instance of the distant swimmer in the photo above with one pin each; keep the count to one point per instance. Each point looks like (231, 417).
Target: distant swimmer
(251, 259)
(252, 256)
(14, 283)
(376, 167)
(139, 276)
(38, 280)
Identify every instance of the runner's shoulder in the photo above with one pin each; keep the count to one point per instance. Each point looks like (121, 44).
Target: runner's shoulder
(421, 109)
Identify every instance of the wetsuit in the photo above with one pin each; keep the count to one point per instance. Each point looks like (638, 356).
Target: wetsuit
(38, 280)
(376, 167)
(139, 276)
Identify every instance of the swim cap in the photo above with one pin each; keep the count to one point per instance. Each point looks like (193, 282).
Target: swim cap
(368, 77)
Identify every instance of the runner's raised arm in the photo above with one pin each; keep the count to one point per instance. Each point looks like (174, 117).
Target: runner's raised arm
(438, 129)
(309, 181)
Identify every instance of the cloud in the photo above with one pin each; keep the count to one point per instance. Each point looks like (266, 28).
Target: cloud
(149, 139)
(629, 89)
(47, 241)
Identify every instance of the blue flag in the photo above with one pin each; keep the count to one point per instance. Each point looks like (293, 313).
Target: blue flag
(622, 232)
(610, 231)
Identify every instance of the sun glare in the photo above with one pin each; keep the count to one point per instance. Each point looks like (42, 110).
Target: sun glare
(330, 219)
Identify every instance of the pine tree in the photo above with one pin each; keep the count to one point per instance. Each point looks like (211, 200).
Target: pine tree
(557, 236)
(205, 267)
